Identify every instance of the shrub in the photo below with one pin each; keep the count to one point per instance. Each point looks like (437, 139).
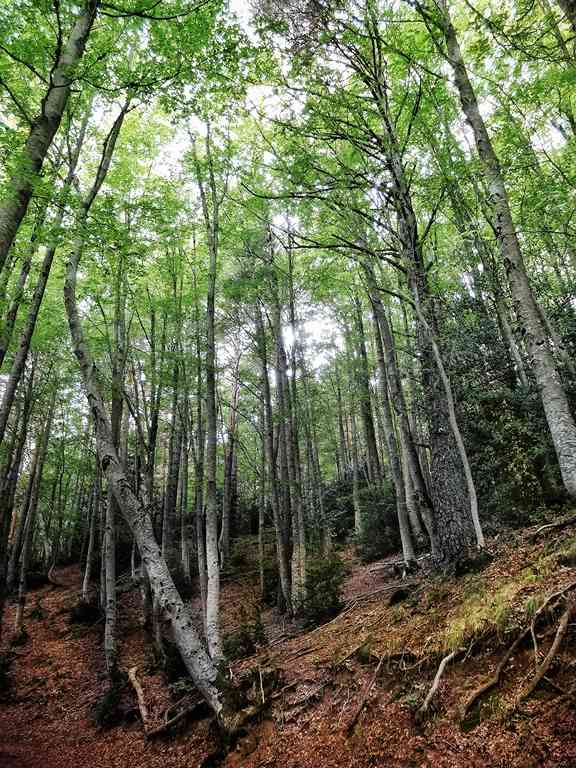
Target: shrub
(85, 613)
(271, 582)
(6, 660)
(107, 712)
(382, 536)
(324, 579)
(245, 640)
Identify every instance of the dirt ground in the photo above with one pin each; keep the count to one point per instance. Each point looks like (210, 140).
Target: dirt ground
(323, 676)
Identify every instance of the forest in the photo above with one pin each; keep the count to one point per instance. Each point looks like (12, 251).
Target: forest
(287, 383)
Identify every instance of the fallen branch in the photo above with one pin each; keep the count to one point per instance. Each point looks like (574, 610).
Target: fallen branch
(388, 588)
(140, 696)
(434, 687)
(176, 719)
(364, 697)
(559, 526)
(495, 678)
(543, 667)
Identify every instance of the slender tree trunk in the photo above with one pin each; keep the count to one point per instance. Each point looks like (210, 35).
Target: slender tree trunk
(199, 664)
(359, 526)
(213, 636)
(170, 549)
(94, 506)
(362, 375)
(281, 542)
(420, 491)
(394, 460)
(30, 518)
(21, 355)
(224, 543)
(43, 128)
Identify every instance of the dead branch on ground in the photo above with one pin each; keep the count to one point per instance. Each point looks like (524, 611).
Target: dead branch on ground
(364, 698)
(434, 687)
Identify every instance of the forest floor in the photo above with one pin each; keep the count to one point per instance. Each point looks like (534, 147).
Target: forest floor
(381, 652)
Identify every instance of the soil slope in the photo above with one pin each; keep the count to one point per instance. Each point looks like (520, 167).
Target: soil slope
(325, 675)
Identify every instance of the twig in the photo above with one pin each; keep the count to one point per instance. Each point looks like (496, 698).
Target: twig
(364, 697)
(543, 667)
(434, 687)
(176, 719)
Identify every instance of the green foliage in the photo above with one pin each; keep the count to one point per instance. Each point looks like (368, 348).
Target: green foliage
(324, 579)
(245, 640)
(381, 534)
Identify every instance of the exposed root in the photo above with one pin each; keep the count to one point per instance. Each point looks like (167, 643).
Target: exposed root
(495, 678)
(543, 667)
(559, 526)
(434, 687)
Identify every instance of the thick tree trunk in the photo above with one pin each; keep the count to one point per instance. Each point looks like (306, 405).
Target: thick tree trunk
(44, 128)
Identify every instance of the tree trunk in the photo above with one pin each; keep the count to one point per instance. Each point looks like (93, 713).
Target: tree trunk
(21, 355)
(556, 407)
(281, 543)
(394, 460)
(362, 376)
(43, 128)
(199, 664)
(30, 518)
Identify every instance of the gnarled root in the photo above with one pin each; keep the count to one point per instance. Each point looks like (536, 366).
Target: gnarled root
(543, 667)
(495, 678)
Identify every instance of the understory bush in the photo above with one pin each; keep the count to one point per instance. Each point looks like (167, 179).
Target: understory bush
(381, 534)
(245, 640)
(324, 579)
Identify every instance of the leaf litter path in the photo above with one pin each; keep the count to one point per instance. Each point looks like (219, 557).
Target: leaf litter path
(58, 677)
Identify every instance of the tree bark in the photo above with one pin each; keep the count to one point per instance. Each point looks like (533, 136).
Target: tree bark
(44, 128)
(556, 407)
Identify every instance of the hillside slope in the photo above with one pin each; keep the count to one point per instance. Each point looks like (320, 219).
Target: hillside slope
(347, 692)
